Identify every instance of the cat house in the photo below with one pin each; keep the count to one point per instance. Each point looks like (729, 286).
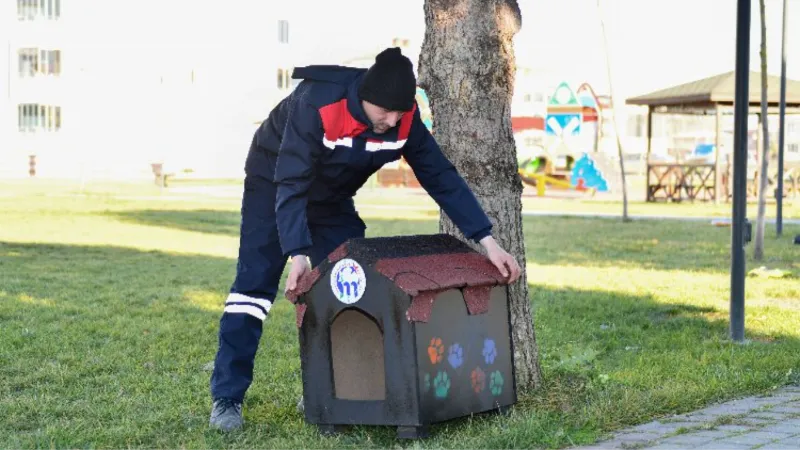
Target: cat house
(403, 331)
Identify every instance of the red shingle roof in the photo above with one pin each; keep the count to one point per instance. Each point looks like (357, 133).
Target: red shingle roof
(422, 266)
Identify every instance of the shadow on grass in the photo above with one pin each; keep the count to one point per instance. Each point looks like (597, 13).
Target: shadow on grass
(199, 220)
(590, 242)
(227, 222)
(108, 346)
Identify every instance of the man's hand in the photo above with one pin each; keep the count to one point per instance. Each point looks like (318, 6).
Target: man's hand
(300, 266)
(504, 262)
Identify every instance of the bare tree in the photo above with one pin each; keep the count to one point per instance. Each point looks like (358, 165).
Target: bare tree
(758, 250)
(625, 217)
(467, 66)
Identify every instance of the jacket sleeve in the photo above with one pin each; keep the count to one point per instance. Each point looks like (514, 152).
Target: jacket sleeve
(444, 184)
(300, 147)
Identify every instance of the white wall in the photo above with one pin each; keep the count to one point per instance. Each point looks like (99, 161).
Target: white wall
(179, 82)
(9, 160)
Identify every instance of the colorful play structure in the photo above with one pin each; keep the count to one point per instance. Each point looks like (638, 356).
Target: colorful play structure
(584, 176)
(569, 159)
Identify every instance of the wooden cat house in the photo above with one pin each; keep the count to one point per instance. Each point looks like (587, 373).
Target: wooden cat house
(403, 331)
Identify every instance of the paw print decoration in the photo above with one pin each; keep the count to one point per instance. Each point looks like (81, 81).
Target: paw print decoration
(456, 356)
(478, 379)
(436, 350)
(489, 351)
(441, 385)
(496, 383)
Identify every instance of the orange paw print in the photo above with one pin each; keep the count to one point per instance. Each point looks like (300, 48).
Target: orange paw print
(435, 350)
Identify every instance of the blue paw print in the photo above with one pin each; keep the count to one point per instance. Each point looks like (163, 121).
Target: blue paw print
(489, 351)
(456, 356)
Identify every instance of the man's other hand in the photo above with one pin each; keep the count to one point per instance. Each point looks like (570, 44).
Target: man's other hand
(501, 259)
(300, 266)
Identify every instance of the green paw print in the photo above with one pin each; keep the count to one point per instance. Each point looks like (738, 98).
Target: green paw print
(496, 382)
(442, 384)
(427, 382)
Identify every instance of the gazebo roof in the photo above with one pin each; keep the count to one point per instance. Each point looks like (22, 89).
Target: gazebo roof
(719, 89)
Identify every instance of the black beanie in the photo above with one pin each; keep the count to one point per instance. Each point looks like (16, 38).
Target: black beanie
(390, 82)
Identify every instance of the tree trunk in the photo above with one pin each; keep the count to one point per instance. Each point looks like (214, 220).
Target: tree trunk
(467, 67)
(625, 217)
(763, 174)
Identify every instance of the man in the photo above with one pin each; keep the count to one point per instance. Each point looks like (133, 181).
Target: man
(306, 162)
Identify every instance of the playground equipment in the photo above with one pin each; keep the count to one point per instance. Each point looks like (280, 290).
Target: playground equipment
(582, 175)
(569, 157)
(530, 174)
(541, 180)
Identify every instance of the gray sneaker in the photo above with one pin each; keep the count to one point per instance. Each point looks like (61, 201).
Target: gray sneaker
(226, 415)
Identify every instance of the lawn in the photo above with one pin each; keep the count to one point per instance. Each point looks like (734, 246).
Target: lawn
(377, 201)
(109, 306)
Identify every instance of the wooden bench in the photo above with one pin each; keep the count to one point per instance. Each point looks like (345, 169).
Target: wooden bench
(676, 182)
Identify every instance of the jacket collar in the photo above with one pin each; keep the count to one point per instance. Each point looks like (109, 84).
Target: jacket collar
(354, 103)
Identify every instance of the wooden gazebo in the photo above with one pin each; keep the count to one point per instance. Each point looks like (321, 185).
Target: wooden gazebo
(708, 96)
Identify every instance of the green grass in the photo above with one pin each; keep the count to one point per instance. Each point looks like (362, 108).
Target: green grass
(599, 205)
(377, 201)
(110, 301)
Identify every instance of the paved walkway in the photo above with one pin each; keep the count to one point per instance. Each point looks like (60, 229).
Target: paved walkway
(764, 423)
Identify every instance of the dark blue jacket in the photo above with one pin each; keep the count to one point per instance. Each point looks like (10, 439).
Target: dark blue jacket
(324, 151)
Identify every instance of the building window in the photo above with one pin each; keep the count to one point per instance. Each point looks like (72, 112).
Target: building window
(33, 61)
(527, 98)
(397, 42)
(284, 79)
(533, 141)
(34, 118)
(793, 148)
(283, 31)
(636, 125)
(28, 62)
(33, 9)
(51, 62)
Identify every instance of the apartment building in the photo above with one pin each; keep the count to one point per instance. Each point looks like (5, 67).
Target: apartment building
(529, 110)
(105, 89)
(32, 114)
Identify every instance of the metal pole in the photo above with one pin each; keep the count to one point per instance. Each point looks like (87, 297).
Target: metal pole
(8, 93)
(741, 108)
(779, 193)
(718, 154)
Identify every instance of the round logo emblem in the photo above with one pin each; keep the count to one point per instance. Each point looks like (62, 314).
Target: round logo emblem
(348, 281)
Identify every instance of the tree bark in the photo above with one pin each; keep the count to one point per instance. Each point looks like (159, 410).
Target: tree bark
(758, 249)
(467, 67)
(620, 153)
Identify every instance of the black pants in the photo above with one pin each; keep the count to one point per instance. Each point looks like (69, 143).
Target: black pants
(258, 272)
